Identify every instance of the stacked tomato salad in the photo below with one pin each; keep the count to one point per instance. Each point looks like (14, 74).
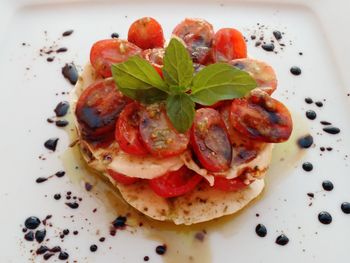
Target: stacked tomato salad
(200, 95)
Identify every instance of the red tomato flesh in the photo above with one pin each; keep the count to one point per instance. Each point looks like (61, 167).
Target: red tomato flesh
(98, 108)
(198, 36)
(229, 185)
(261, 118)
(146, 33)
(175, 183)
(229, 44)
(127, 132)
(122, 179)
(155, 57)
(210, 140)
(104, 53)
(159, 136)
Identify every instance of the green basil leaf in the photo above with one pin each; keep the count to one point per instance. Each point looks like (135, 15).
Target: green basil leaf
(180, 110)
(220, 81)
(137, 73)
(146, 96)
(178, 66)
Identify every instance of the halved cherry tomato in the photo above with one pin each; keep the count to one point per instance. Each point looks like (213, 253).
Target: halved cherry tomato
(261, 118)
(198, 36)
(263, 73)
(229, 44)
(155, 56)
(146, 33)
(229, 185)
(121, 178)
(104, 53)
(98, 108)
(210, 141)
(175, 183)
(159, 136)
(225, 111)
(127, 132)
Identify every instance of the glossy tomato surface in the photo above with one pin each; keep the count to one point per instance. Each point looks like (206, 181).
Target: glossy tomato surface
(159, 136)
(228, 44)
(98, 108)
(146, 33)
(197, 35)
(104, 53)
(210, 140)
(127, 132)
(175, 183)
(229, 185)
(155, 57)
(261, 118)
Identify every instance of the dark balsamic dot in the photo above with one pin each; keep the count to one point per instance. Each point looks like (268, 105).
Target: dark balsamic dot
(282, 240)
(145, 258)
(93, 248)
(47, 256)
(305, 141)
(61, 109)
(300, 53)
(261, 230)
(268, 47)
(29, 236)
(160, 250)
(114, 35)
(68, 197)
(61, 123)
(61, 50)
(252, 37)
(329, 149)
(119, 221)
(277, 34)
(69, 193)
(55, 249)
(50, 59)
(32, 222)
(345, 207)
(319, 103)
(63, 255)
(88, 186)
(73, 205)
(331, 130)
(325, 123)
(311, 115)
(322, 149)
(307, 166)
(70, 72)
(67, 33)
(24, 229)
(308, 100)
(66, 231)
(312, 195)
(112, 232)
(41, 180)
(295, 70)
(327, 185)
(50, 120)
(40, 235)
(60, 173)
(41, 250)
(102, 239)
(325, 217)
(75, 232)
(57, 196)
(51, 144)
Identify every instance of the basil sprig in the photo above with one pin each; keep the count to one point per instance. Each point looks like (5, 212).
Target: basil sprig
(180, 88)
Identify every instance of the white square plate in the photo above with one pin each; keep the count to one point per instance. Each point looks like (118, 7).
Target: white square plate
(28, 86)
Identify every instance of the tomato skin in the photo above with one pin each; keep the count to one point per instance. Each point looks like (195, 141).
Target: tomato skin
(104, 53)
(210, 141)
(263, 73)
(228, 44)
(229, 185)
(175, 183)
(146, 33)
(158, 135)
(127, 132)
(98, 108)
(155, 57)
(261, 118)
(121, 178)
(198, 35)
